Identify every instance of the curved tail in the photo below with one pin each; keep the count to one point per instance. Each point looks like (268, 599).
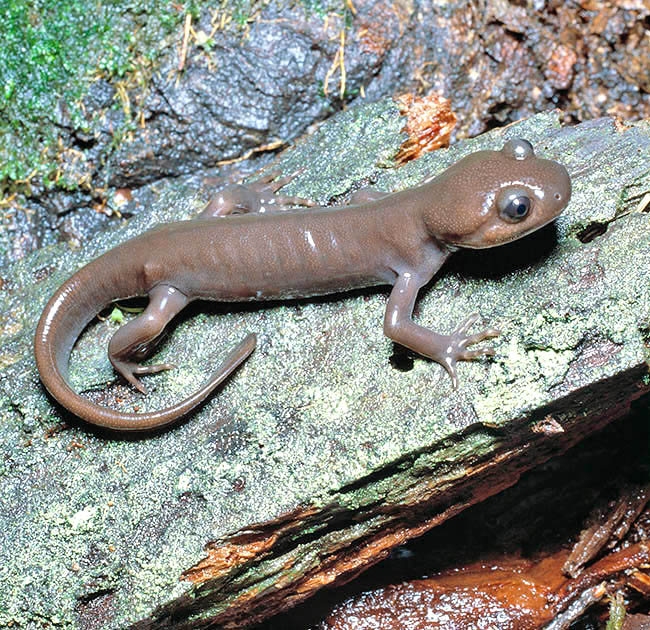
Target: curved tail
(67, 313)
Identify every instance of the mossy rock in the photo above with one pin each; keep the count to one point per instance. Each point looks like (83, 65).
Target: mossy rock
(329, 446)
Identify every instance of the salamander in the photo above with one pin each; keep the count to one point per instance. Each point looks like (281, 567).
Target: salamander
(248, 243)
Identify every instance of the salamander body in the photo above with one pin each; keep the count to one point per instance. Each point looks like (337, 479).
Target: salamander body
(247, 244)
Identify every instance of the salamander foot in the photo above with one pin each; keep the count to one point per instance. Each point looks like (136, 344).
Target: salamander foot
(459, 340)
(129, 371)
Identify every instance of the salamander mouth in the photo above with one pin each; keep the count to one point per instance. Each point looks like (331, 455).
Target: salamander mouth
(483, 240)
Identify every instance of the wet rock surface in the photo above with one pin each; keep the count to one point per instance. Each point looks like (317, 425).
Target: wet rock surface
(322, 454)
(500, 563)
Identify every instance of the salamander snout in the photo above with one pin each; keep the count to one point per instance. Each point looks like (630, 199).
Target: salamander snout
(560, 189)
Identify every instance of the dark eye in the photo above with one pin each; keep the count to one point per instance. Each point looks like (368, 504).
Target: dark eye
(515, 206)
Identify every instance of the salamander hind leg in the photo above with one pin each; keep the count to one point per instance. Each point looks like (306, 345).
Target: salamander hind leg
(258, 196)
(137, 339)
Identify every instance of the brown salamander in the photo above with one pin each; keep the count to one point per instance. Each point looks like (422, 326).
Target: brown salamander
(264, 250)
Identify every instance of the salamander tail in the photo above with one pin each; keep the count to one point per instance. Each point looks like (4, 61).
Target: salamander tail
(55, 336)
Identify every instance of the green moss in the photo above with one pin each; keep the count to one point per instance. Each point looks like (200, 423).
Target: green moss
(52, 52)
(616, 613)
(117, 316)
(322, 8)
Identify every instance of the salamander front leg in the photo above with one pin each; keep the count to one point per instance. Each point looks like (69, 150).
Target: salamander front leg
(444, 349)
(258, 196)
(136, 340)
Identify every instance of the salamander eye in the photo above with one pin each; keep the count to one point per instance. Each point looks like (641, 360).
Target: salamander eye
(518, 148)
(514, 206)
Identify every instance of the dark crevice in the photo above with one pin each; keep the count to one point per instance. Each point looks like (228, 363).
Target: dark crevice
(401, 359)
(592, 231)
(645, 334)
(89, 597)
(84, 144)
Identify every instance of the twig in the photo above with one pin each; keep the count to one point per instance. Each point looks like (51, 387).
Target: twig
(186, 37)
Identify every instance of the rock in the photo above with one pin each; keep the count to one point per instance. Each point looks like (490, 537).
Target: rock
(329, 447)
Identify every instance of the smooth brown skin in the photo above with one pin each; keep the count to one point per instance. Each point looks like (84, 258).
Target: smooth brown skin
(401, 239)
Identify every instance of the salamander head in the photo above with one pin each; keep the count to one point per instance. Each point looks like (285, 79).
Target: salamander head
(494, 197)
